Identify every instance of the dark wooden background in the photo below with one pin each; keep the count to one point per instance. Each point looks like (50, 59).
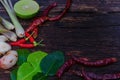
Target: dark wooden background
(91, 27)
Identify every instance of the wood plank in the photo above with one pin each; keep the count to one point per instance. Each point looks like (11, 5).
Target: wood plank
(89, 5)
(82, 20)
(101, 6)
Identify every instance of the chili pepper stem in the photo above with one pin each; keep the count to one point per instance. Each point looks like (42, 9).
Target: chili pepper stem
(39, 43)
(29, 36)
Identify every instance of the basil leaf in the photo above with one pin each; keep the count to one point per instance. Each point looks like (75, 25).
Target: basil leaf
(40, 76)
(22, 56)
(13, 74)
(52, 62)
(27, 70)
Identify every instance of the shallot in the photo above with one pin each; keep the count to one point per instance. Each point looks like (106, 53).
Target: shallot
(9, 59)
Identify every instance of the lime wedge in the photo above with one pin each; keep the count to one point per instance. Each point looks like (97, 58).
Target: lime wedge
(26, 9)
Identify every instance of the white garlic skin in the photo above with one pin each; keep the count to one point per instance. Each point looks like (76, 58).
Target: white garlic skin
(9, 59)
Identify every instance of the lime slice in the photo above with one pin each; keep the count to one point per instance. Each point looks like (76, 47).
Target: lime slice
(26, 9)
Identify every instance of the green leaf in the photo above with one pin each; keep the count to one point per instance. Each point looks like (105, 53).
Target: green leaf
(40, 76)
(35, 59)
(52, 62)
(13, 74)
(27, 70)
(22, 56)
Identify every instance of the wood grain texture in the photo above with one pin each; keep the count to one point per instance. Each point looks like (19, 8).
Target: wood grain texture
(102, 6)
(90, 26)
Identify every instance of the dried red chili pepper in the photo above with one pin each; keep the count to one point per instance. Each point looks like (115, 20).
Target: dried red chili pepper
(78, 73)
(35, 34)
(98, 63)
(104, 76)
(111, 76)
(94, 76)
(68, 3)
(47, 10)
(84, 75)
(35, 23)
(81, 74)
(66, 66)
(45, 17)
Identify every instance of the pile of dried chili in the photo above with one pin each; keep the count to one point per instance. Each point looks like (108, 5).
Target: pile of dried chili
(86, 62)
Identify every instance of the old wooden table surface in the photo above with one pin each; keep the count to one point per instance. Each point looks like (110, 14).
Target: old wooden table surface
(90, 26)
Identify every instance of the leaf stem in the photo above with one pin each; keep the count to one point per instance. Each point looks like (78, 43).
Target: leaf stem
(50, 68)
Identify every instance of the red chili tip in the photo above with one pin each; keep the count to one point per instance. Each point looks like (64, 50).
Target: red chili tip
(114, 59)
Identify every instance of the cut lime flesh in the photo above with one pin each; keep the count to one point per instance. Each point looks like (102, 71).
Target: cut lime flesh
(26, 8)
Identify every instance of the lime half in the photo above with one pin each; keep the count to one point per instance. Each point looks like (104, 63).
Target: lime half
(26, 8)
